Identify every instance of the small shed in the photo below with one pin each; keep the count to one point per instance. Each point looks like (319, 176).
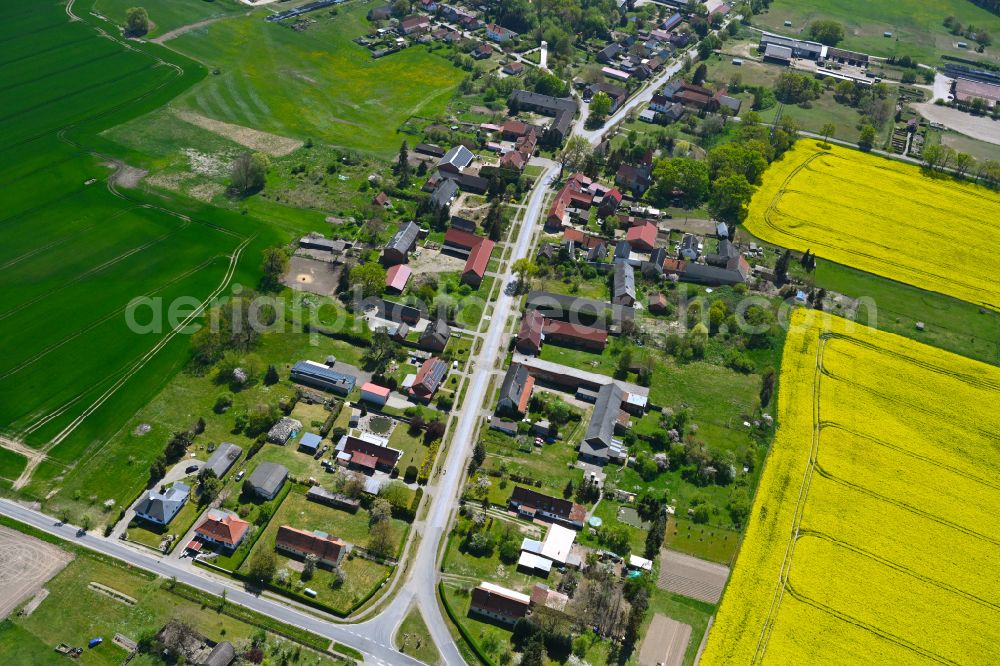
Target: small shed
(310, 442)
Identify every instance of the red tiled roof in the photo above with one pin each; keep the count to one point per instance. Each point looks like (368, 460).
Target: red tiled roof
(326, 549)
(644, 235)
(586, 241)
(229, 530)
(491, 601)
(383, 454)
(578, 331)
(429, 377)
(375, 389)
(571, 193)
(462, 239)
(531, 328)
(515, 127)
(364, 460)
(479, 257)
(513, 159)
(673, 265)
(397, 277)
(522, 406)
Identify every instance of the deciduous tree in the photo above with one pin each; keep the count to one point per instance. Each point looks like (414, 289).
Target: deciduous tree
(136, 21)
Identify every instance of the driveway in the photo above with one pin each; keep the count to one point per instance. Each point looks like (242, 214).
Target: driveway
(175, 473)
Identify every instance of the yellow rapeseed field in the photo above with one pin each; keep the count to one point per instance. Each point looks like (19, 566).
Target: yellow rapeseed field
(874, 537)
(883, 217)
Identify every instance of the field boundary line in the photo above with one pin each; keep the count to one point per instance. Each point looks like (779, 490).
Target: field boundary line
(786, 562)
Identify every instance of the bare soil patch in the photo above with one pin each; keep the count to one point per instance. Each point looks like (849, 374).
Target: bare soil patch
(692, 577)
(26, 563)
(265, 142)
(316, 277)
(977, 127)
(665, 643)
(127, 176)
(434, 261)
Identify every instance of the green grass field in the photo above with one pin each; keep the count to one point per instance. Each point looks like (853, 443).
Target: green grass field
(414, 639)
(73, 613)
(167, 15)
(76, 250)
(330, 88)
(916, 25)
(360, 575)
(950, 324)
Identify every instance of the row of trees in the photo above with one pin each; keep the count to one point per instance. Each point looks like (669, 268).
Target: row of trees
(940, 159)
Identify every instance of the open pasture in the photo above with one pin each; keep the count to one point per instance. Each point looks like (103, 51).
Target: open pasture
(883, 217)
(917, 26)
(873, 537)
(330, 88)
(75, 249)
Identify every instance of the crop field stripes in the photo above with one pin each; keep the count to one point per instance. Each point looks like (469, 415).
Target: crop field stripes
(844, 243)
(874, 629)
(875, 517)
(833, 201)
(195, 314)
(786, 562)
(912, 454)
(115, 314)
(89, 273)
(814, 467)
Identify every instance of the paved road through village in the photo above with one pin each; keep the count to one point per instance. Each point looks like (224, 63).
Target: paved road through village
(374, 637)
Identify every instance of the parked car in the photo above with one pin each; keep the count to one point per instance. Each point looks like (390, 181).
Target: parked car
(190, 469)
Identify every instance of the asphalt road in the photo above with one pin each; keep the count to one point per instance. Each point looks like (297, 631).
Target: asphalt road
(422, 584)
(374, 637)
(377, 652)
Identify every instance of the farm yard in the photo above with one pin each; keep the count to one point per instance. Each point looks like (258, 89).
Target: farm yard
(874, 429)
(834, 203)
(95, 597)
(916, 25)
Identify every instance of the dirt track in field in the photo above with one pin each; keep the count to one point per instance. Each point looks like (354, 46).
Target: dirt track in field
(26, 563)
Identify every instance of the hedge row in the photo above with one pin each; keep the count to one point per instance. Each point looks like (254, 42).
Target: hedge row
(476, 649)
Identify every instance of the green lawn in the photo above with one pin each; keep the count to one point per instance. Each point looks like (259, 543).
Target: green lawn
(414, 639)
(412, 447)
(330, 88)
(166, 15)
(11, 464)
(493, 638)
(709, 543)
(490, 567)
(552, 464)
(689, 611)
(119, 469)
(361, 575)
(73, 613)
(604, 363)
(917, 25)
(950, 324)
(75, 255)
